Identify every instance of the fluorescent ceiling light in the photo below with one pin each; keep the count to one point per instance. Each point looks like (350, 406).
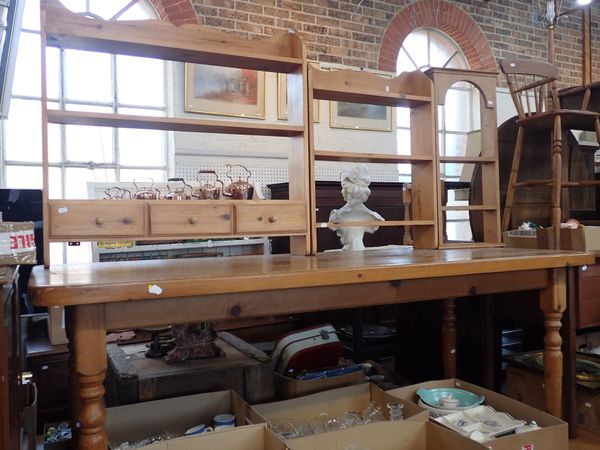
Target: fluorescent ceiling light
(584, 2)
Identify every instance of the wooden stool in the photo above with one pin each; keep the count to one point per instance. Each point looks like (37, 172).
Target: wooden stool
(530, 84)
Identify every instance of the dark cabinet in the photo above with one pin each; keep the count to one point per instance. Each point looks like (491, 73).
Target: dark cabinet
(10, 360)
(385, 198)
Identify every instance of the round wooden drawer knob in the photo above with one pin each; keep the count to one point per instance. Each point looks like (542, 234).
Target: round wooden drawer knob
(99, 220)
(272, 219)
(193, 220)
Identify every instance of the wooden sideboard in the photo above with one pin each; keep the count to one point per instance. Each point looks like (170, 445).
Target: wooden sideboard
(10, 360)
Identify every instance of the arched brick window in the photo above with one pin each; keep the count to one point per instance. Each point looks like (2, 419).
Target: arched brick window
(445, 17)
(176, 11)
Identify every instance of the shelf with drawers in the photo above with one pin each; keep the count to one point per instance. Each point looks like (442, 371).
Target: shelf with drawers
(89, 220)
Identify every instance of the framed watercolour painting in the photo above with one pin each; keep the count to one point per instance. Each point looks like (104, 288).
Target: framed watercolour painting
(359, 116)
(224, 91)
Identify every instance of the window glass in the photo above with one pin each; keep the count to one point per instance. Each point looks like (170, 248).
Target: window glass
(457, 110)
(107, 9)
(24, 177)
(404, 143)
(74, 5)
(31, 15)
(141, 147)
(27, 79)
(140, 81)
(403, 117)
(456, 144)
(136, 12)
(52, 73)
(416, 46)
(88, 76)
(86, 143)
(24, 131)
(77, 179)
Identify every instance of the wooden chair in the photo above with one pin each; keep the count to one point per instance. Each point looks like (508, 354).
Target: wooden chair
(532, 88)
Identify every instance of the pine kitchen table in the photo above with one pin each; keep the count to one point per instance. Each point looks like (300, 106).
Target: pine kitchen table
(100, 297)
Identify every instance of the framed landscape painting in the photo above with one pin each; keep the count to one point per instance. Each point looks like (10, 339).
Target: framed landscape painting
(360, 116)
(224, 91)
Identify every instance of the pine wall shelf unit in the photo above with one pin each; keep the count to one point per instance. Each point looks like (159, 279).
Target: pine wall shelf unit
(410, 89)
(89, 220)
(486, 203)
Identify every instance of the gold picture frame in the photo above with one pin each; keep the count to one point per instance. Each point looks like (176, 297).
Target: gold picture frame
(282, 111)
(224, 91)
(359, 116)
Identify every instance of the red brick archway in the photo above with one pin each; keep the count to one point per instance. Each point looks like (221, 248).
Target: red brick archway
(176, 11)
(450, 19)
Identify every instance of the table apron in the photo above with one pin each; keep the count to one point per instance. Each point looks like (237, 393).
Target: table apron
(165, 311)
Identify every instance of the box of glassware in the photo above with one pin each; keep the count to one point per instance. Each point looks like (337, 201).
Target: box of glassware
(334, 409)
(403, 435)
(499, 422)
(251, 437)
(144, 423)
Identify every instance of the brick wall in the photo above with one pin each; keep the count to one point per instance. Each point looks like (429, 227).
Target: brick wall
(340, 31)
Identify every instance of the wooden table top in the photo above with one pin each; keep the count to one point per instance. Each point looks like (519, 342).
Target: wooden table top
(132, 280)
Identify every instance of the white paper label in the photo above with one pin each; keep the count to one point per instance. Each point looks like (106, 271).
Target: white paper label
(63, 210)
(154, 289)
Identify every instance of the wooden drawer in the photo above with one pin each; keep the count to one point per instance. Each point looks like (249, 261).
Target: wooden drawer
(190, 218)
(270, 218)
(588, 314)
(80, 218)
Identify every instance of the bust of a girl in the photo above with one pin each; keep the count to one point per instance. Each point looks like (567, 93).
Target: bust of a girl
(355, 190)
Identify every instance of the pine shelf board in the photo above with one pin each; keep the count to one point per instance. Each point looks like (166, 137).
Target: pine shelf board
(164, 40)
(470, 208)
(332, 155)
(378, 223)
(409, 89)
(467, 159)
(172, 124)
(451, 245)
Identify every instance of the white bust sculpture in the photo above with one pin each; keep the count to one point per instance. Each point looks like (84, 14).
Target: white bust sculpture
(355, 190)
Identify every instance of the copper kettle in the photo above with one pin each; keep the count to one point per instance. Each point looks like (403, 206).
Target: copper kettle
(143, 193)
(207, 190)
(180, 192)
(240, 189)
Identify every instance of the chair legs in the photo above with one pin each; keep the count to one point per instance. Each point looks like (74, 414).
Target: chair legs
(556, 179)
(514, 173)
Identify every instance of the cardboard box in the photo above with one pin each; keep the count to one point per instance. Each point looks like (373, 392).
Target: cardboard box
(402, 435)
(286, 387)
(552, 436)
(335, 403)
(527, 386)
(582, 239)
(520, 239)
(131, 423)
(56, 325)
(252, 437)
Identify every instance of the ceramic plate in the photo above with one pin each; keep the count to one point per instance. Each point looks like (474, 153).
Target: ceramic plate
(484, 419)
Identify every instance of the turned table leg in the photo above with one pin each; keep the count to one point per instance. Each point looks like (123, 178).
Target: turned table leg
(553, 301)
(89, 346)
(449, 338)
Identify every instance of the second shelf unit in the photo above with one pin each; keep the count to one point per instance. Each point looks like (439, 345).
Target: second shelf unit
(410, 89)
